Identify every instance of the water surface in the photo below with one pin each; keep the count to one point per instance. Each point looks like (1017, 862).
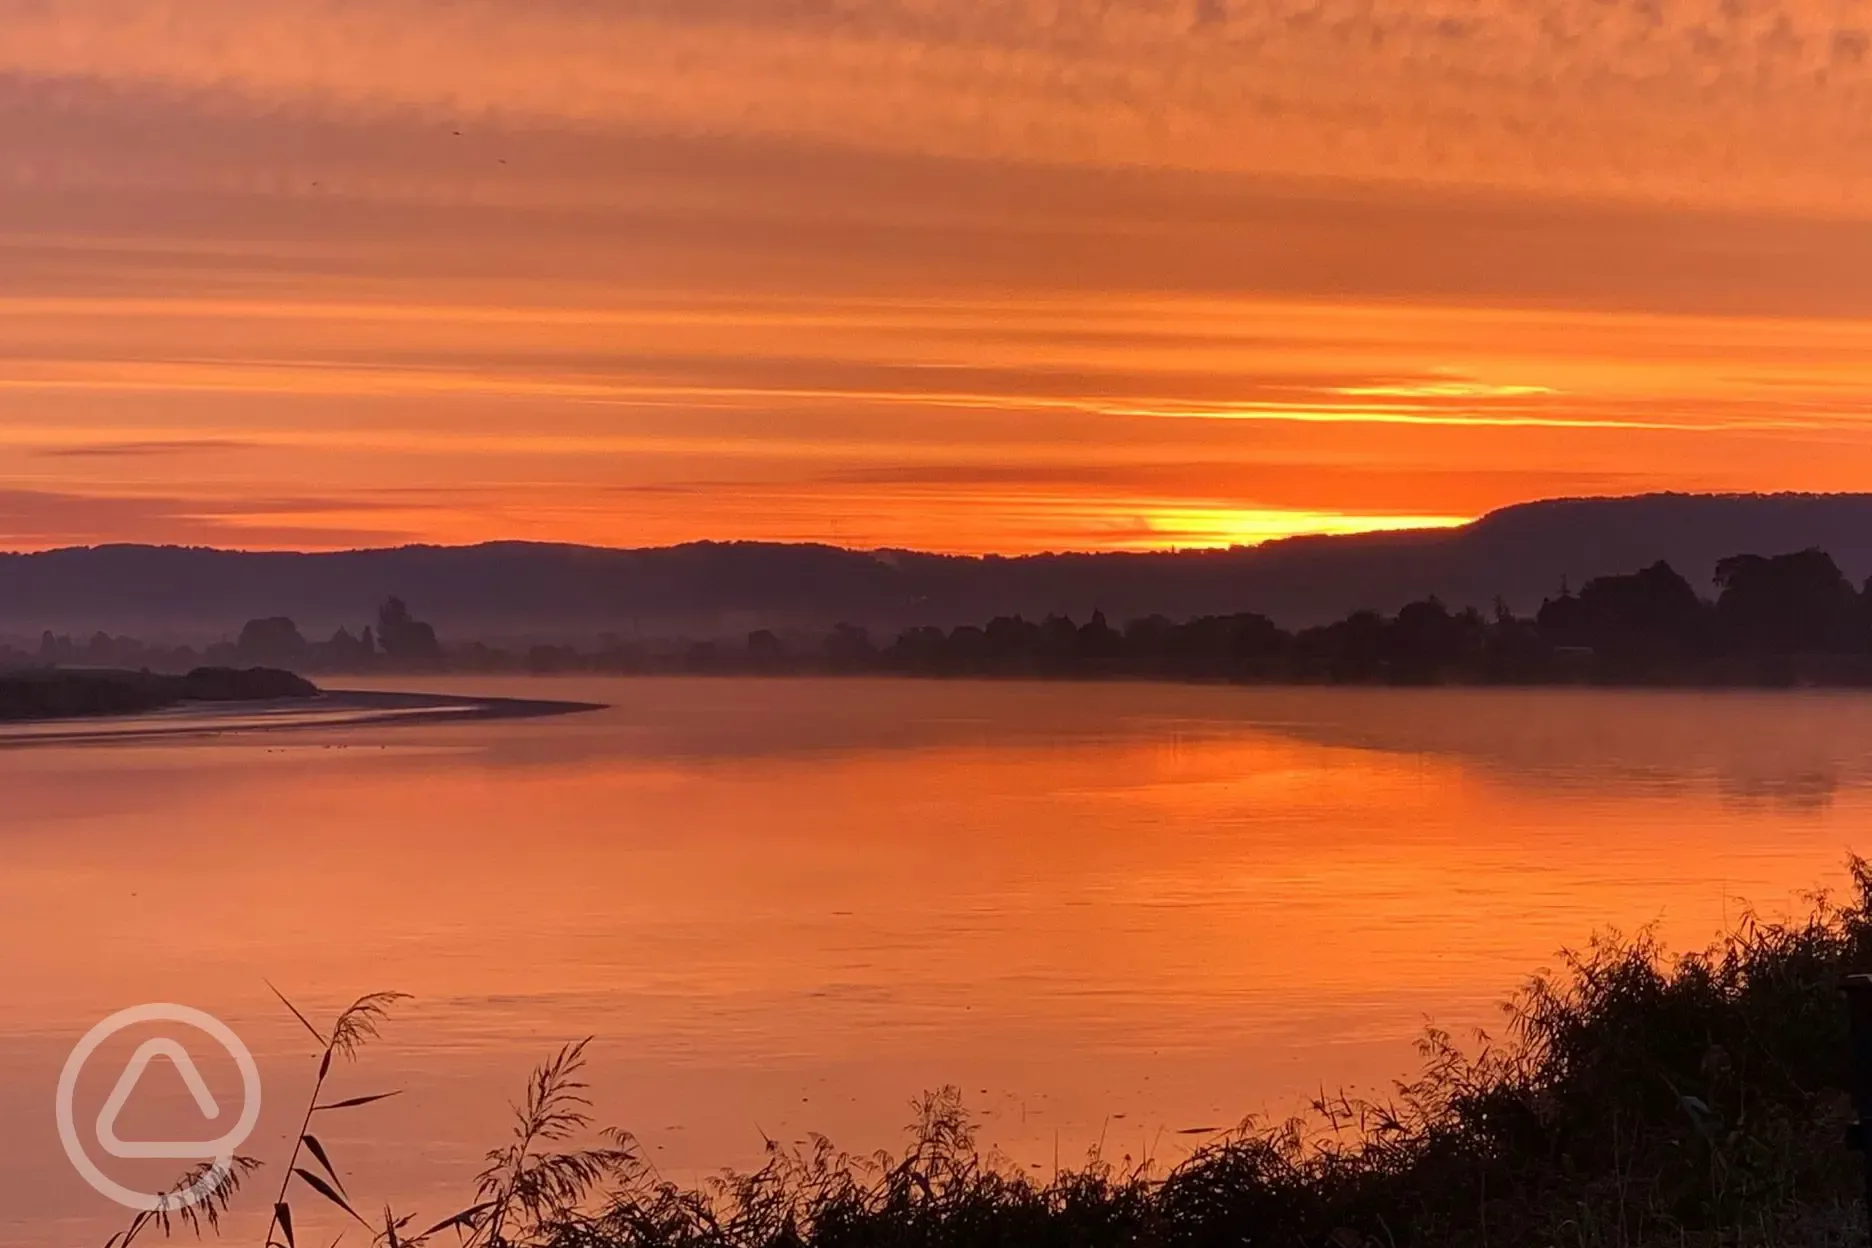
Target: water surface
(1116, 913)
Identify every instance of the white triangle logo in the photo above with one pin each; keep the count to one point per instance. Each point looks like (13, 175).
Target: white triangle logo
(127, 1082)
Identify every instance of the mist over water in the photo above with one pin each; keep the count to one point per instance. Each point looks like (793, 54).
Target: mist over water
(1107, 912)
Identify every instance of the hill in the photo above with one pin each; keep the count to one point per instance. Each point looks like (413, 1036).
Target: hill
(512, 590)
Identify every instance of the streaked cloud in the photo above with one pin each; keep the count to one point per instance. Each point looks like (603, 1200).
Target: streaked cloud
(1721, 102)
(159, 446)
(43, 519)
(1002, 274)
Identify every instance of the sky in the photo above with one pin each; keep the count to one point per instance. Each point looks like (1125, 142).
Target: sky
(969, 275)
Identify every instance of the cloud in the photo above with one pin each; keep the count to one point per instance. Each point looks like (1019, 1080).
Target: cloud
(873, 270)
(133, 191)
(167, 446)
(46, 519)
(1281, 484)
(1719, 103)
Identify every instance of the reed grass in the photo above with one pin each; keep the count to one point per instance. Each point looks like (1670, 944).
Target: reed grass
(1634, 1099)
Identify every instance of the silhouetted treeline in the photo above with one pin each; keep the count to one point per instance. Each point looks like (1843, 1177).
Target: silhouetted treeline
(1783, 619)
(1775, 620)
(398, 642)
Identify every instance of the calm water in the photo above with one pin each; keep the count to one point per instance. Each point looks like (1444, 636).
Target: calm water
(1106, 912)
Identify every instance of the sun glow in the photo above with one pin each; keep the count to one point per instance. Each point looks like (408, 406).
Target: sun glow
(1219, 527)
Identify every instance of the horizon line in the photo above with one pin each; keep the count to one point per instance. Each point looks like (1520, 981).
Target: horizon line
(1453, 525)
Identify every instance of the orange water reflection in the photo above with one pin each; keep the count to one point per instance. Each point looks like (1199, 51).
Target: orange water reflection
(1105, 911)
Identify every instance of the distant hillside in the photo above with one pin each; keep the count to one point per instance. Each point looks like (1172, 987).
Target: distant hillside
(506, 591)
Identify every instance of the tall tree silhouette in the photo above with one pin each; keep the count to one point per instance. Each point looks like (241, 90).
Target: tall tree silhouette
(1787, 604)
(275, 641)
(1652, 613)
(404, 638)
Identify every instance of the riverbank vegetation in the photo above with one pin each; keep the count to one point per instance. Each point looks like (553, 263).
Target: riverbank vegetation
(1791, 619)
(35, 694)
(1634, 1099)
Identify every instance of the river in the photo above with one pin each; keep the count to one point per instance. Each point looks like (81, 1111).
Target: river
(1116, 915)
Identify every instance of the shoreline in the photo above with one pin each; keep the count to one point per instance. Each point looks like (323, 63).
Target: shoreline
(1139, 678)
(335, 708)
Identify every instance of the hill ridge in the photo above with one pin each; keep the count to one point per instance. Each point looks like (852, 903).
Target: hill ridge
(512, 589)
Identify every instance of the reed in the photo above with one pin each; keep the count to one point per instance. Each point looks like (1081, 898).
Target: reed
(1634, 1099)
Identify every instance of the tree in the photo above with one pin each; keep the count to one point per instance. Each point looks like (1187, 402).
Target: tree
(272, 642)
(1648, 613)
(404, 638)
(1059, 640)
(1099, 640)
(347, 652)
(1351, 649)
(849, 648)
(1424, 638)
(1253, 637)
(1787, 604)
(1010, 639)
(918, 649)
(764, 650)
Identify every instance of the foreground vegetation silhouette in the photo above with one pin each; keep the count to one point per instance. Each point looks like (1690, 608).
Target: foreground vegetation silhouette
(1636, 1099)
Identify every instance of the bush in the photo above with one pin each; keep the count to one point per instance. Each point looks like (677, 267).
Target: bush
(1635, 1100)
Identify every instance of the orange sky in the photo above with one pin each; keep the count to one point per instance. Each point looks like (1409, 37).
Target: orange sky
(982, 275)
